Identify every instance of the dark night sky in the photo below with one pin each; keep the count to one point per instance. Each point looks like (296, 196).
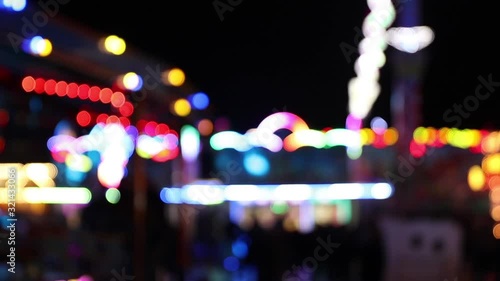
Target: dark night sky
(272, 55)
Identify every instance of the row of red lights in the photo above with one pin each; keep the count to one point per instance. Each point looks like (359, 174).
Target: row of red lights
(94, 94)
(82, 91)
(85, 119)
(151, 128)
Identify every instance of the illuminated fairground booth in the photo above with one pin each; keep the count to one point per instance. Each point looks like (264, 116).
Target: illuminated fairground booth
(283, 163)
(284, 174)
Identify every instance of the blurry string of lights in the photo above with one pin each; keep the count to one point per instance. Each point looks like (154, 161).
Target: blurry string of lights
(307, 205)
(148, 134)
(85, 118)
(379, 135)
(250, 194)
(81, 91)
(117, 99)
(205, 126)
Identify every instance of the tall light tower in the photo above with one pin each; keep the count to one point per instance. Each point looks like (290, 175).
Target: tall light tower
(365, 88)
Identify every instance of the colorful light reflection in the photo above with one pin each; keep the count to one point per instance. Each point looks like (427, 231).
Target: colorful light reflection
(115, 145)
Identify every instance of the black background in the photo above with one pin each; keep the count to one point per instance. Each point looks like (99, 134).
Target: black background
(273, 55)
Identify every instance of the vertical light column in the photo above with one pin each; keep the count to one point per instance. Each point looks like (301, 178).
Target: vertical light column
(364, 88)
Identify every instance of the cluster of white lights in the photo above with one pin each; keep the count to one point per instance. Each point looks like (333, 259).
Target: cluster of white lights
(364, 89)
(114, 144)
(410, 39)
